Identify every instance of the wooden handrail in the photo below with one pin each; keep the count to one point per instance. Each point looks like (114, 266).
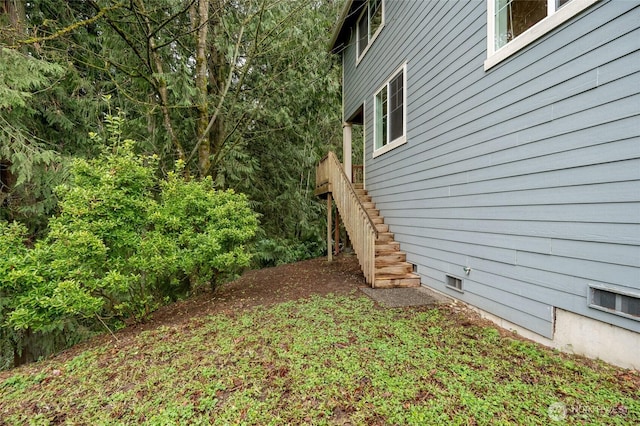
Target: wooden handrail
(361, 229)
(331, 156)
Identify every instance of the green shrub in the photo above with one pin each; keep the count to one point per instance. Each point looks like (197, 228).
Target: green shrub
(13, 276)
(269, 252)
(204, 230)
(123, 243)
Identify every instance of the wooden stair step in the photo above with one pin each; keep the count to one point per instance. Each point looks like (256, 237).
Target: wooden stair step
(397, 281)
(385, 236)
(390, 258)
(368, 205)
(382, 227)
(399, 268)
(383, 246)
(391, 268)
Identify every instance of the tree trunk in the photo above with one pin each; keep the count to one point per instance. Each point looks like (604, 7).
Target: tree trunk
(22, 353)
(204, 149)
(14, 9)
(218, 76)
(161, 84)
(7, 180)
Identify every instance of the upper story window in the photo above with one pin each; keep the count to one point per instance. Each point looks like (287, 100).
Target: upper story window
(390, 113)
(369, 25)
(513, 24)
(513, 17)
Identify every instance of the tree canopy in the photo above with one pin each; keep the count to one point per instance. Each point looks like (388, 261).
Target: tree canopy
(239, 90)
(241, 93)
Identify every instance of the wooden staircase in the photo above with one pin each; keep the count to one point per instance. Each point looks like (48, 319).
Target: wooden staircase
(391, 267)
(379, 255)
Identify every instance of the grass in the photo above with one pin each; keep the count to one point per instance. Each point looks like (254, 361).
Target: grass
(323, 360)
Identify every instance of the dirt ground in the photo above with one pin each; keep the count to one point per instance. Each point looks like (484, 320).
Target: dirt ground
(258, 287)
(268, 286)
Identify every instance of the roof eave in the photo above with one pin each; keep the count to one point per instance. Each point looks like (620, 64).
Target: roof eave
(339, 27)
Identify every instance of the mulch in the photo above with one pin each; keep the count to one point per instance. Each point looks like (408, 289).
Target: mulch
(262, 287)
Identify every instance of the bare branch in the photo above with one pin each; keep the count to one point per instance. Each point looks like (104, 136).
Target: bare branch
(171, 18)
(74, 26)
(126, 39)
(222, 97)
(161, 86)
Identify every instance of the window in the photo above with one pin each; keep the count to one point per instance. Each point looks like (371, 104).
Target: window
(369, 24)
(513, 17)
(389, 113)
(513, 24)
(626, 305)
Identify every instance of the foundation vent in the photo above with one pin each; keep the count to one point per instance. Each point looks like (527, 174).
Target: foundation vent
(454, 283)
(619, 303)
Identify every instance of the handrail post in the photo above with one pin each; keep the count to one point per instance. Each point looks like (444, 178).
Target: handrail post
(346, 149)
(329, 220)
(336, 234)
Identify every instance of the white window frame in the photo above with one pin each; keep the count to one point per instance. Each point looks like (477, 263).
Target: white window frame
(363, 14)
(554, 19)
(401, 140)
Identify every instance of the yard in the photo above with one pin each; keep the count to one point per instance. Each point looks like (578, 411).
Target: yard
(300, 344)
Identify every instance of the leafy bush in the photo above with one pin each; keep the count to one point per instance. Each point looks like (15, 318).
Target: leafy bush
(82, 268)
(201, 230)
(269, 252)
(123, 243)
(12, 252)
(22, 270)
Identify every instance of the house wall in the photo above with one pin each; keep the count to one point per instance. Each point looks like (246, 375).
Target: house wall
(528, 173)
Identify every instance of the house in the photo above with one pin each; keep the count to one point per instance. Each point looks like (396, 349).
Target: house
(502, 155)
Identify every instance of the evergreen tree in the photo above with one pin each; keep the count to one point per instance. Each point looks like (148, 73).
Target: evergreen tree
(243, 91)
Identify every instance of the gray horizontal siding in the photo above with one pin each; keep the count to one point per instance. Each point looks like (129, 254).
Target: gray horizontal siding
(617, 273)
(598, 213)
(624, 234)
(616, 192)
(529, 173)
(458, 169)
(522, 309)
(592, 251)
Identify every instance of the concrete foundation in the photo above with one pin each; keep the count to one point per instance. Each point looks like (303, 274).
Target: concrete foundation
(580, 335)
(595, 339)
